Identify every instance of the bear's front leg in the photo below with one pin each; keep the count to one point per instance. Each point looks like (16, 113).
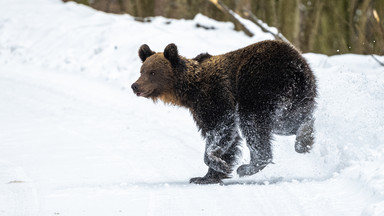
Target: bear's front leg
(212, 158)
(216, 117)
(257, 131)
(220, 156)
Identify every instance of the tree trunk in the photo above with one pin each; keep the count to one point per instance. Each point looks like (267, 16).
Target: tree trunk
(329, 27)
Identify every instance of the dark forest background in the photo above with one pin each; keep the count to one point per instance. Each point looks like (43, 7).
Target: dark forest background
(321, 26)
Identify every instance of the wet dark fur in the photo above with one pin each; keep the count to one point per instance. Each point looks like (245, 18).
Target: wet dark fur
(201, 57)
(261, 89)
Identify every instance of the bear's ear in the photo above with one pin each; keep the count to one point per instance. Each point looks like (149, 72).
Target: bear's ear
(171, 53)
(145, 52)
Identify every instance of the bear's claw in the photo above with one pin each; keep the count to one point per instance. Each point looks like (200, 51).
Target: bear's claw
(205, 180)
(249, 169)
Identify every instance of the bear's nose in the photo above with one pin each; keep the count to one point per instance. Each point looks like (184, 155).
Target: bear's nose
(135, 87)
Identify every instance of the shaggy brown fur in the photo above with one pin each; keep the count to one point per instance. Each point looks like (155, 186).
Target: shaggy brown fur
(261, 89)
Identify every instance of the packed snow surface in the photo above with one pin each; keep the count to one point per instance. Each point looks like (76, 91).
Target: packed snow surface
(74, 139)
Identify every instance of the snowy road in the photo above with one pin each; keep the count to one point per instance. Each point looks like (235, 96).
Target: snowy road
(74, 139)
(75, 146)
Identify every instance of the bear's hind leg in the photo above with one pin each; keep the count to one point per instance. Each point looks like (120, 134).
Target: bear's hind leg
(215, 177)
(305, 136)
(257, 131)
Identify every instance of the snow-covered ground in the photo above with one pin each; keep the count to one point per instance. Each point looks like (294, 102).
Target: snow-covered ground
(74, 139)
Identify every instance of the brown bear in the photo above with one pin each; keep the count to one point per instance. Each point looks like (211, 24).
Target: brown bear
(263, 89)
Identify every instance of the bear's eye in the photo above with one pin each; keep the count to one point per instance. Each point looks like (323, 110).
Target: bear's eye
(152, 73)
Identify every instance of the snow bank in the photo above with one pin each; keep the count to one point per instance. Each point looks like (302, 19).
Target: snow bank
(100, 44)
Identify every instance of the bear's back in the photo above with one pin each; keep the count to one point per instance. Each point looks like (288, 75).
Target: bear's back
(268, 70)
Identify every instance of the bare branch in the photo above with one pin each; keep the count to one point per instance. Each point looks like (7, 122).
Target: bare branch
(221, 6)
(258, 22)
(378, 61)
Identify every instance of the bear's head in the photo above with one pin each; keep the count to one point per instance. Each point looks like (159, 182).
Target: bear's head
(157, 78)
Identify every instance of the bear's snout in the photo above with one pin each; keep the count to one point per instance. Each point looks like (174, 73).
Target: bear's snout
(135, 88)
